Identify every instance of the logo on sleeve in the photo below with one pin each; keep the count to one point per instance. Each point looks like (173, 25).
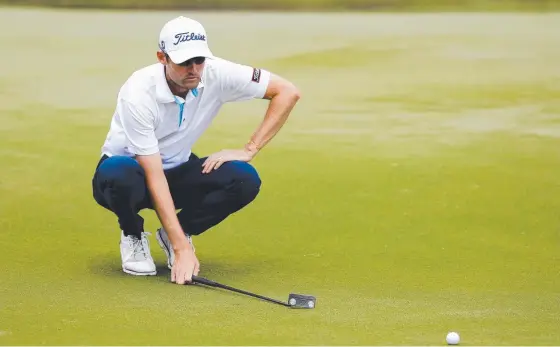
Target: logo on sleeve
(256, 75)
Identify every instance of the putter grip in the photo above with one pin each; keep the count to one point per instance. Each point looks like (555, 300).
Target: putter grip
(205, 281)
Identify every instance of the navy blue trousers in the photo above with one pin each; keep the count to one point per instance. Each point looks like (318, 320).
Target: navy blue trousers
(204, 200)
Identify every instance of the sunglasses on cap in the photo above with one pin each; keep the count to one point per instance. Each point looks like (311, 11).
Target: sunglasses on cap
(195, 60)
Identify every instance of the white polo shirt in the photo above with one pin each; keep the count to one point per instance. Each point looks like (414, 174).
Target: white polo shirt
(149, 118)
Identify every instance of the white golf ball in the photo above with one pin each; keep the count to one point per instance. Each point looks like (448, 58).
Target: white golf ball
(292, 301)
(453, 338)
(310, 304)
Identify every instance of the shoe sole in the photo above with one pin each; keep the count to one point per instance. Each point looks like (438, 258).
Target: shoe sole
(130, 272)
(165, 249)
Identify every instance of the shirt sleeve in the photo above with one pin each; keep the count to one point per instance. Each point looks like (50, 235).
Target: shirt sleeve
(241, 82)
(138, 123)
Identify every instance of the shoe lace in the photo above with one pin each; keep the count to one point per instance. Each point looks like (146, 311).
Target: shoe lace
(140, 247)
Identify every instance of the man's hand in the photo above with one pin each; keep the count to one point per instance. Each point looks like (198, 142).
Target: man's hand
(184, 267)
(214, 161)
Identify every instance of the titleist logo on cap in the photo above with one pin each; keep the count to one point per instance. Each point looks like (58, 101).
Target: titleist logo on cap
(182, 37)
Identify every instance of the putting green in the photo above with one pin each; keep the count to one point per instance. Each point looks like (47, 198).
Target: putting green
(414, 190)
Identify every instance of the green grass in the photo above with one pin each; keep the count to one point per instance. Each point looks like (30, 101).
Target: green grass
(414, 189)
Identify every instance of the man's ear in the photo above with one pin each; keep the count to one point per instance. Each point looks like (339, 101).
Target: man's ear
(162, 57)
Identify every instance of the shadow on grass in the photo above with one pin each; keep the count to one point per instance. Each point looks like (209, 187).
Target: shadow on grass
(108, 265)
(241, 275)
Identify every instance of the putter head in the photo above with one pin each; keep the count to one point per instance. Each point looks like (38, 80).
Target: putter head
(301, 301)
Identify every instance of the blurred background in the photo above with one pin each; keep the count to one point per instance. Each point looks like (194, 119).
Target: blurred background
(315, 5)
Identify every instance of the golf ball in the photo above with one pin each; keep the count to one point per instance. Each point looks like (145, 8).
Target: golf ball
(310, 304)
(452, 338)
(292, 302)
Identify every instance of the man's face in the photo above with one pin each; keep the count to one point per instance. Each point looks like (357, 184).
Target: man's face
(185, 75)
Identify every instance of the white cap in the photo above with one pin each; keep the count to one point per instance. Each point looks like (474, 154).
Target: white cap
(183, 38)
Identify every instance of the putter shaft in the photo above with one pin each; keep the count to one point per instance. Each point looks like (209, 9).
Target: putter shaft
(207, 282)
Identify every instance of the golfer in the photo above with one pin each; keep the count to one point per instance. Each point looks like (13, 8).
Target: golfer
(147, 163)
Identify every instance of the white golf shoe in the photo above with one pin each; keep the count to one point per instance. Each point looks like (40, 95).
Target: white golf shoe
(135, 255)
(165, 244)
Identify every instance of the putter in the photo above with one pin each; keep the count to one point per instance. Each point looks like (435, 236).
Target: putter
(294, 300)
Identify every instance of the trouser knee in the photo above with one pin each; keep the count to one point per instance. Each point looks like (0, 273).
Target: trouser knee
(119, 180)
(247, 184)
